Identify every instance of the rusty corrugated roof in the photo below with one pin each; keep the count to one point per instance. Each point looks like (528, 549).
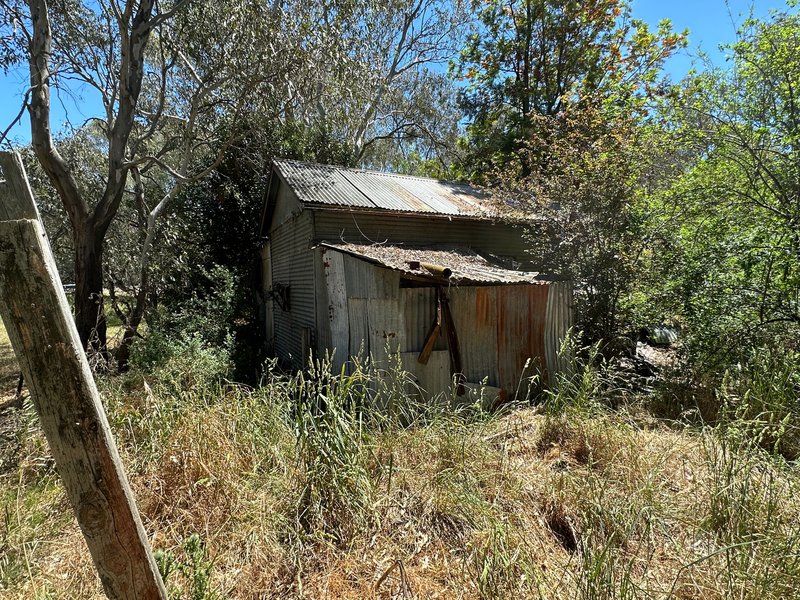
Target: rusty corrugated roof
(467, 266)
(337, 186)
(321, 184)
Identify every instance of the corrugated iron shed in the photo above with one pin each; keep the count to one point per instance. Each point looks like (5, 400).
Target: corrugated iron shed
(339, 187)
(466, 266)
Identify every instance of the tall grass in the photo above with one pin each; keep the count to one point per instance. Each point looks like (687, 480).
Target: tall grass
(761, 400)
(346, 485)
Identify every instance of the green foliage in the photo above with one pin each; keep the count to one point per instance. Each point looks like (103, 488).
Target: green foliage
(557, 100)
(181, 363)
(337, 495)
(761, 401)
(194, 567)
(578, 387)
(304, 482)
(725, 252)
(744, 512)
(541, 58)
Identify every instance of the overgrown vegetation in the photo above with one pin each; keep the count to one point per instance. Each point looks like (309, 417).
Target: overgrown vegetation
(302, 488)
(665, 202)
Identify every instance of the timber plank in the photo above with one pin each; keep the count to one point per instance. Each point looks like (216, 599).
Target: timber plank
(37, 317)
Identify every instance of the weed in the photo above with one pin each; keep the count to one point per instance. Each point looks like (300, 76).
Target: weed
(194, 568)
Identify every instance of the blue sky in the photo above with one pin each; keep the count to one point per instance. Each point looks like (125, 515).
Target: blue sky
(710, 23)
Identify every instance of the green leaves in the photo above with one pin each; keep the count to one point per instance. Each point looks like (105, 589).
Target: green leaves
(732, 251)
(534, 58)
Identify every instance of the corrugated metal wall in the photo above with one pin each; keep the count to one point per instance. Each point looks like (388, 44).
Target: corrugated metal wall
(293, 265)
(500, 239)
(362, 313)
(506, 333)
(558, 322)
(418, 307)
(475, 317)
(286, 203)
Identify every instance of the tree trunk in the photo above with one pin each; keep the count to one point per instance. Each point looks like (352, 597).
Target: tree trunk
(132, 328)
(90, 318)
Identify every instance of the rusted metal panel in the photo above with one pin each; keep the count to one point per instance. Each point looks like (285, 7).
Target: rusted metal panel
(520, 336)
(359, 278)
(457, 265)
(537, 310)
(386, 192)
(442, 199)
(337, 186)
(322, 334)
(351, 285)
(387, 283)
(321, 184)
(475, 316)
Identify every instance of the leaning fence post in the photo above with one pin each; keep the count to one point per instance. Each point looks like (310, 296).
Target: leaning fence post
(36, 314)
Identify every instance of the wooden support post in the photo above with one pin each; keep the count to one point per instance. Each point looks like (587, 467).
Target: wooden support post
(453, 346)
(433, 333)
(42, 331)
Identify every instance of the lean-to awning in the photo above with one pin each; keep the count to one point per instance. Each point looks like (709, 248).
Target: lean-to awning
(458, 265)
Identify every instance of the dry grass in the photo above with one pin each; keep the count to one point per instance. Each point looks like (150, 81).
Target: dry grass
(9, 371)
(578, 504)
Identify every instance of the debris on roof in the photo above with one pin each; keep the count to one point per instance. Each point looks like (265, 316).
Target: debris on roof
(455, 264)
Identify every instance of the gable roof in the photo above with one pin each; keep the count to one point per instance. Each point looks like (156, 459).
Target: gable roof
(329, 186)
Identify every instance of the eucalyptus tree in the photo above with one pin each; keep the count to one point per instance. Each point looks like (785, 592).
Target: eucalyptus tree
(167, 75)
(556, 95)
(178, 84)
(381, 71)
(526, 59)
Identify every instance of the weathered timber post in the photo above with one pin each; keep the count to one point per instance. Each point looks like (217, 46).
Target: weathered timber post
(37, 316)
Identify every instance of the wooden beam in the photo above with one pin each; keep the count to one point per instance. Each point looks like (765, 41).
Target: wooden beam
(433, 333)
(16, 198)
(35, 311)
(456, 369)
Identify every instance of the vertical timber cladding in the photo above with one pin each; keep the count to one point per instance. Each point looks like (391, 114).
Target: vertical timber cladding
(293, 266)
